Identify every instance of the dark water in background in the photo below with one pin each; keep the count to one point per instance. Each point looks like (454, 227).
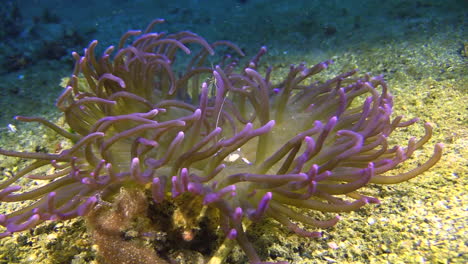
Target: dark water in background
(300, 24)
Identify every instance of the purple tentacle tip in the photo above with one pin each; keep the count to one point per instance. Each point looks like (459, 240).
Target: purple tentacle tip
(232, 234)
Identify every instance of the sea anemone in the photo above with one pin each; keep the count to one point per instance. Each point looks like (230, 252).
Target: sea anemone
(246, 146)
